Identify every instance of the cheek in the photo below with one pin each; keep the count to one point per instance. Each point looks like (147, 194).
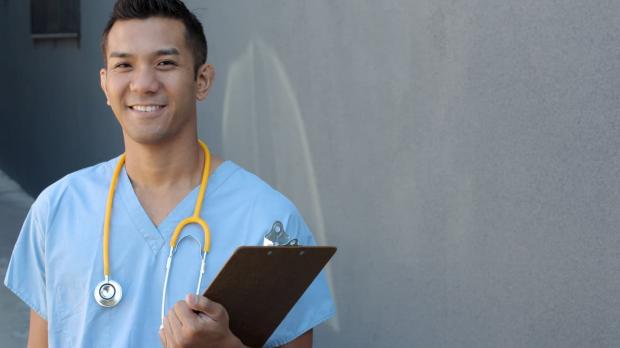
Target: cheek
(180, 88)
(115, 87)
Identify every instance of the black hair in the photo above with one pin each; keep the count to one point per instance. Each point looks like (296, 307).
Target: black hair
(174, 9)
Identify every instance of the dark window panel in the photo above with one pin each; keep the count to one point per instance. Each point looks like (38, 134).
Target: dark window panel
(55, 17)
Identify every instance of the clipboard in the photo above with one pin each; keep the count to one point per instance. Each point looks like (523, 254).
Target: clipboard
(259, 285)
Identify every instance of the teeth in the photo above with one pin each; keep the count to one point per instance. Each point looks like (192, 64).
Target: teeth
(146, 108)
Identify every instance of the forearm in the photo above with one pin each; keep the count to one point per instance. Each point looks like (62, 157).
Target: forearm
(37, 333)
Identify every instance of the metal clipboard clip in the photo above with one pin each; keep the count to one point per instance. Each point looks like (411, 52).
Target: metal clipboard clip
(278, 237)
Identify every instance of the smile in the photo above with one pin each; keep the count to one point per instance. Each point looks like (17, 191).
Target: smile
(146, 108)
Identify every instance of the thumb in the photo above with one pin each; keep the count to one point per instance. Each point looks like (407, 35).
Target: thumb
(197, 303)
(201, 304)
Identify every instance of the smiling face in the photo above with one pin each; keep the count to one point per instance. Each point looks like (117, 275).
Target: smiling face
(149, 79)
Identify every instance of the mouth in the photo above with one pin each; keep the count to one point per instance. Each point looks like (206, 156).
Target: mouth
(146, 108)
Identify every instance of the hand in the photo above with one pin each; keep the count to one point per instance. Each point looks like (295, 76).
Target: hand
(183, 327)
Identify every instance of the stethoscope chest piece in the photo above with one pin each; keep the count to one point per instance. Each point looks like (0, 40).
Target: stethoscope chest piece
(108, 293)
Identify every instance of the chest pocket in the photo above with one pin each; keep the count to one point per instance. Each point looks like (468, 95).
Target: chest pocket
(73, 312)
(68, 322)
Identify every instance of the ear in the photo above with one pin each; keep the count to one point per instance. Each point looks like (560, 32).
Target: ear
(102, 82)
(204, 80)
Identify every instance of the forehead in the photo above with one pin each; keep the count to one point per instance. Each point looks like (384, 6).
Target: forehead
(144, 36)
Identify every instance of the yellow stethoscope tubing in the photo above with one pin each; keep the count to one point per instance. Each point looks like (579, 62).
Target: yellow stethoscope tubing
(195, 218)
(108, 212)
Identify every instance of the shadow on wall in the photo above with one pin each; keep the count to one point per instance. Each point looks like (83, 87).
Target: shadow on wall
(261, 109)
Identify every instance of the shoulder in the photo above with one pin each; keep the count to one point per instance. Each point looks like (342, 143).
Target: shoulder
(85, 182)
(248, 187)
(261, 205)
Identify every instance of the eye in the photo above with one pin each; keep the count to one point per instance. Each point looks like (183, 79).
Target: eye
(167, 63)
(122, 66)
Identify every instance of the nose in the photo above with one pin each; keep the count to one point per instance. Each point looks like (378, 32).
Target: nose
(144, 81)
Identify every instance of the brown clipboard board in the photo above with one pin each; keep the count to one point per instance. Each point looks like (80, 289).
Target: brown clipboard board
(259, 285)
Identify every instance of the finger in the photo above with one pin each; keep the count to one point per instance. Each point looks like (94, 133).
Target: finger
(186, 315)
(175, 325)
(169, 336)
(174, 319)
(211, 308)
(162, 337)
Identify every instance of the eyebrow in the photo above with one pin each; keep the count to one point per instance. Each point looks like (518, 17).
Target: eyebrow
(161, 52)
(167, 52)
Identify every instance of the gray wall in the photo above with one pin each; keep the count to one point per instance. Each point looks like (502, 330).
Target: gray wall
(463, 155)
(53, 114)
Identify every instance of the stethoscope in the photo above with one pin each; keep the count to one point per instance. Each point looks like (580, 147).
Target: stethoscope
(108, 293)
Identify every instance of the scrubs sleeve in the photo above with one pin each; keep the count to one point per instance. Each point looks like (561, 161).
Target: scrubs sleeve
(25, 275)
(316, 304)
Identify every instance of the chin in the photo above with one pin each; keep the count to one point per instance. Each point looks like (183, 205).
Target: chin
(147, 138)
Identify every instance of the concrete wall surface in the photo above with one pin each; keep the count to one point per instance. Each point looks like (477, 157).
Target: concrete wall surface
(463, 155)
(14, 205)
(54, 119)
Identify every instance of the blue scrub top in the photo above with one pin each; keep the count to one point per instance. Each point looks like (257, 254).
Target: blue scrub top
(57, 260)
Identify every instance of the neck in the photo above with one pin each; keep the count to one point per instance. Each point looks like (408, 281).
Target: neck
(175, 164)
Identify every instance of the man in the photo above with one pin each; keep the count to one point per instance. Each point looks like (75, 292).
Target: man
(155, 71)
